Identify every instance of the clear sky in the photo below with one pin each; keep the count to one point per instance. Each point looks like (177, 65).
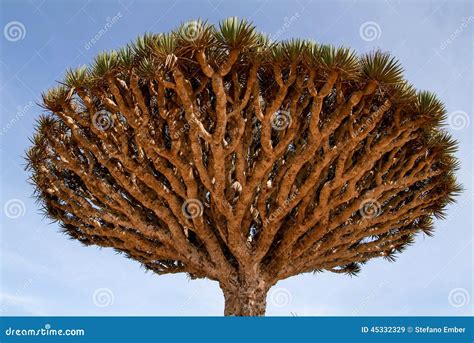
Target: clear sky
(44, 273)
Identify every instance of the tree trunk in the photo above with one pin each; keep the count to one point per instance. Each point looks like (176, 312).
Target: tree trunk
(245, 299)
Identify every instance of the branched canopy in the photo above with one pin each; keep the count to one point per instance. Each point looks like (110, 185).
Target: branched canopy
(216, 152)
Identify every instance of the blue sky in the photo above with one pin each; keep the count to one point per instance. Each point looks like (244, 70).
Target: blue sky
(44, 273)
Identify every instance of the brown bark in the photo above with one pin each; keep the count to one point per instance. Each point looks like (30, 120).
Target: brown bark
(245, 298)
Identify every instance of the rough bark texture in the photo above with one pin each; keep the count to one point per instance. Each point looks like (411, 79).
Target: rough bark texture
(227, 157)
(248, 298)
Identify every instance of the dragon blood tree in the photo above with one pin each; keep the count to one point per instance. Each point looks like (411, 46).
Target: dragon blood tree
(218, 153)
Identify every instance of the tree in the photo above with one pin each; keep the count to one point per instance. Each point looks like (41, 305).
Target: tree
(221, 154)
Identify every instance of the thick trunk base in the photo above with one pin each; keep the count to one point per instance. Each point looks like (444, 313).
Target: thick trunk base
(245, 300)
